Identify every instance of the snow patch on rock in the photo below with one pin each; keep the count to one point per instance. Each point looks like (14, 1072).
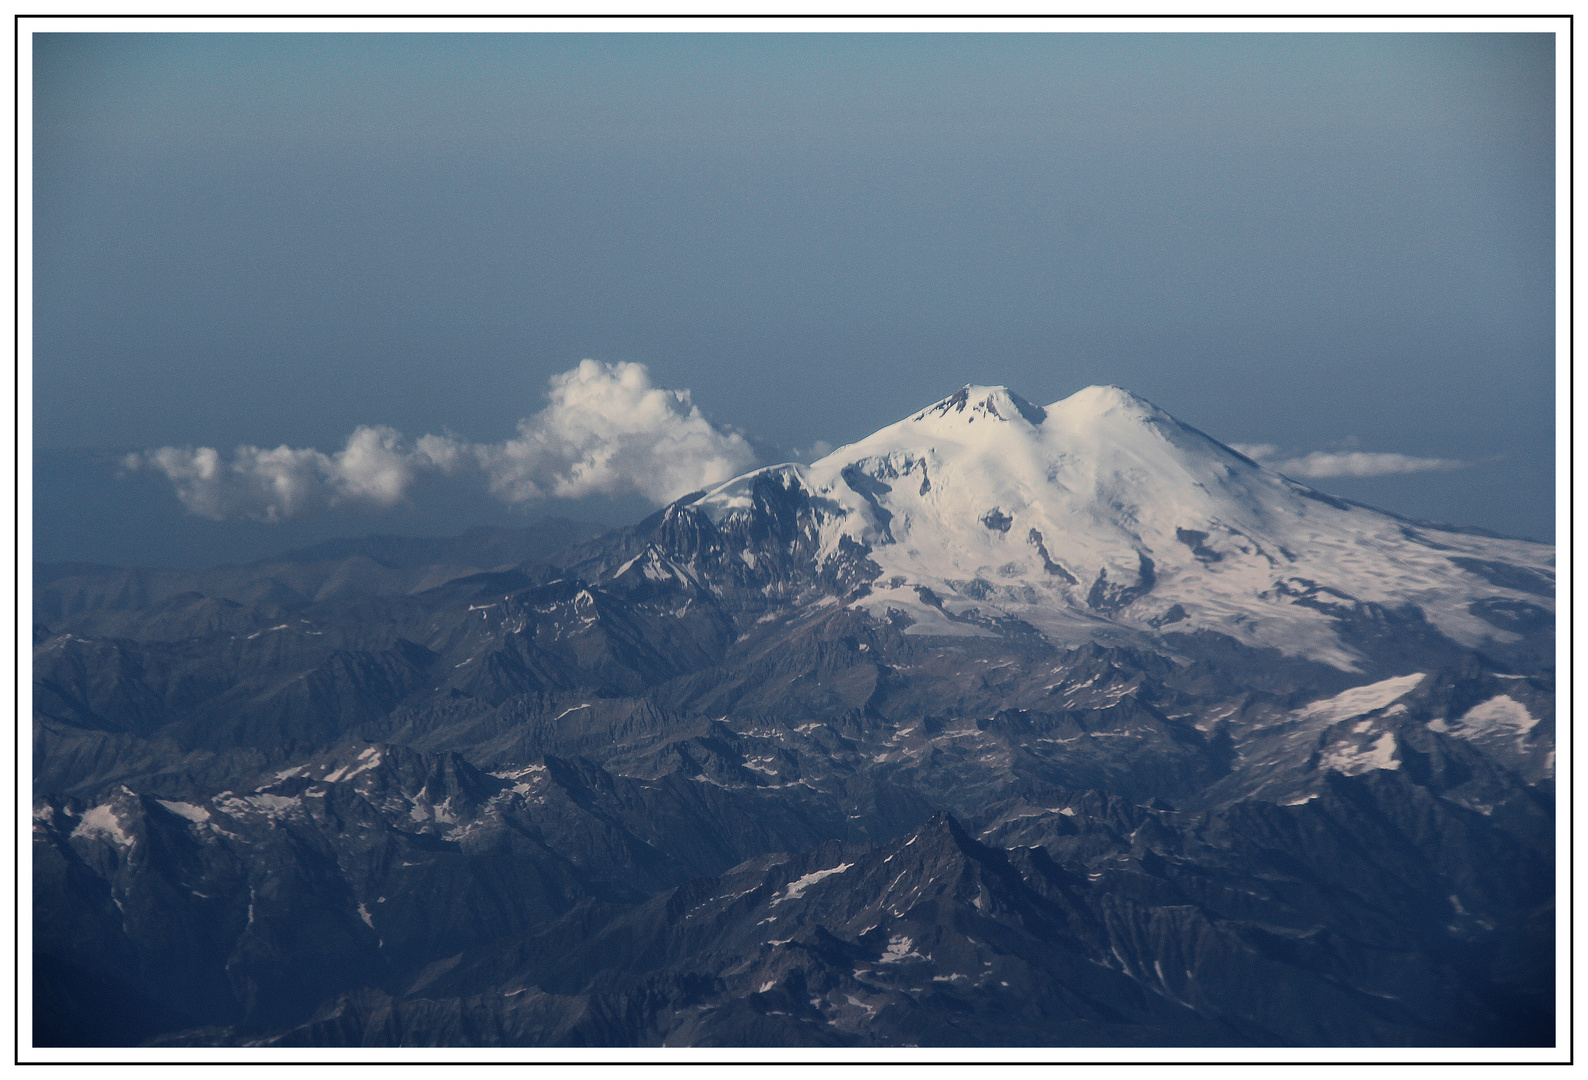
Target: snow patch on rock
(1353, 760)
(187, 810)
(101, 823)
(797, 887)
(1359, 700)
(900, 948)
(1501, 715)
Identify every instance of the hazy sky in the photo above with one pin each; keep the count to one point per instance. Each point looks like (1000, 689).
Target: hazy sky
(1318, 242)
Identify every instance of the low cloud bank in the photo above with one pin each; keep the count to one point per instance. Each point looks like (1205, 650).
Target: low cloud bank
(1323, 464)
(606, 431)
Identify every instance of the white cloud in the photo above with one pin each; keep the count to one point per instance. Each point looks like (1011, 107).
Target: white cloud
(1323, 464)
(374, 469)
(609, 431)
(606, 431)
(1255, 451)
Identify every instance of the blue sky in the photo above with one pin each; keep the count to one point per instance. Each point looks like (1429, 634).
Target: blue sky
(1331, 243)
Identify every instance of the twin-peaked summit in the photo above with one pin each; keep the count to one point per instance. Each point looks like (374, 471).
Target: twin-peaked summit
(1101, 517)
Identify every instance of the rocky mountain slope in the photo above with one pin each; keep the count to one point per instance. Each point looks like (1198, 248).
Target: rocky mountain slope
(1007, 725)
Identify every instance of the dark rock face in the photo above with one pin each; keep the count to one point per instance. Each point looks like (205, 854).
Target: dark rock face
(1106, 596)
(665, 788)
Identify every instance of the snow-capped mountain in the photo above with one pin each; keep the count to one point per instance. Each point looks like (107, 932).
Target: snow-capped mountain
(1103, 518)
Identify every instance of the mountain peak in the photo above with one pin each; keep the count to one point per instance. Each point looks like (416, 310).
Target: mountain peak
(1107, 400)
(973, 402)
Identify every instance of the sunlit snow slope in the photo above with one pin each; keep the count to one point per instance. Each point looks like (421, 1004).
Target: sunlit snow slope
(1101, 517)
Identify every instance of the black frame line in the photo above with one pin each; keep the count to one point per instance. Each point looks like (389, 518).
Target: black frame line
(16, 342)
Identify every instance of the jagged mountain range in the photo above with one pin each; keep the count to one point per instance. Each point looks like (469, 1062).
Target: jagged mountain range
(1008, 725)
